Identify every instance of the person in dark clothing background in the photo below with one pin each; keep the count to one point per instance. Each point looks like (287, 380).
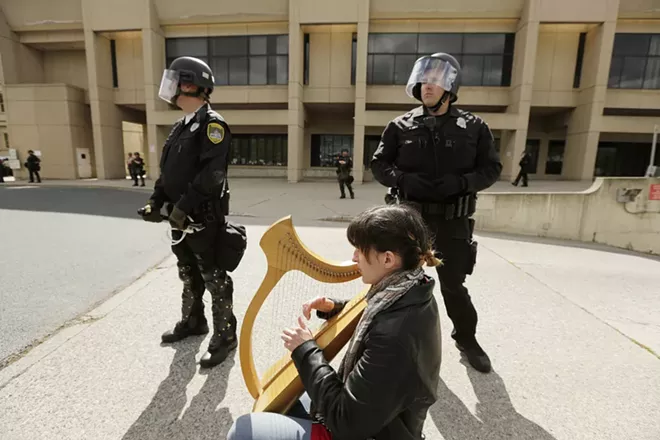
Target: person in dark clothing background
(438, 158)
(193, 182)
(138, 169)
(344, 166)
(525, 160)
(33, 164)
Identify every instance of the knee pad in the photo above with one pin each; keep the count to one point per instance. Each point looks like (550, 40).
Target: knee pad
(186, 274)
(216, 281)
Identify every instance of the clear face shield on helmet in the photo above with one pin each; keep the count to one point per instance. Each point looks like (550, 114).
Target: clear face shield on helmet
(429, 70)
(169, 85)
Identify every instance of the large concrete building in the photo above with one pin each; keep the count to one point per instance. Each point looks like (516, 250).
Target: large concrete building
(575, 82)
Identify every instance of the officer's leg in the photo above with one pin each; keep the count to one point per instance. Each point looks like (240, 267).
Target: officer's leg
(341, 189)
(525, 183)
(457, 262)
(221, 287)
(350, 190)
(193, 321)
(515, 182)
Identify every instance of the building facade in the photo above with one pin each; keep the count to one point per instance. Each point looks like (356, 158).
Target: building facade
(576, 83)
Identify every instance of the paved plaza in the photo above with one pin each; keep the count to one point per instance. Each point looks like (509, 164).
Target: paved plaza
(573, 332)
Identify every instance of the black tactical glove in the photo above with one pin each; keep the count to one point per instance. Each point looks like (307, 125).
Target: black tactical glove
(178, 218)
(415, 185)
(150, 212)
(450, 185)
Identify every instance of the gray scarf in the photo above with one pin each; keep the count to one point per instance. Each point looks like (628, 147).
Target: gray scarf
(380, 296)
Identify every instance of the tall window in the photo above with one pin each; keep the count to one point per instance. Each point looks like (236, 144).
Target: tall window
(533, 146)
(555, 161)
(486, 59)
(370, 146)
(580, 59)
(2, 103)
(259, 149)
(113, 60)
(326, 148)
(635, 62)
(623, 158)
(238, 60)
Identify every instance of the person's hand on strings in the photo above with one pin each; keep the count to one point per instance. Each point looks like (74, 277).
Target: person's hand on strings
(294, 337)
(321, 303)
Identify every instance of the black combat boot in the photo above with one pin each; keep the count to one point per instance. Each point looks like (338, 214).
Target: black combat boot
(193, 322)
(224, 339)
(476, 356)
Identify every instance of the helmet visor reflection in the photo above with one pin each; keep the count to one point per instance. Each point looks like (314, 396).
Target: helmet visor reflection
(430, 70)
(169, 84)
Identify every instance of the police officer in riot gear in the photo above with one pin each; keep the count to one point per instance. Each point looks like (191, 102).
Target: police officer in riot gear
(193, 184)
(438, 157)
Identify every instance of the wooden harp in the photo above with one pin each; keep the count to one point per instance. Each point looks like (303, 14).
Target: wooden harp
(279, 387)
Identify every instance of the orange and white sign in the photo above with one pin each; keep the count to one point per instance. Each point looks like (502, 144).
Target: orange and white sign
(654, 191)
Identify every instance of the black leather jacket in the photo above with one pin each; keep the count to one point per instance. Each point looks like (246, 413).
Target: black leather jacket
(389, 392)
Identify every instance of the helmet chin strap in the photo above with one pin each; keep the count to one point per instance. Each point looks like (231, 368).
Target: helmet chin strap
(200, 93)
(440, 103)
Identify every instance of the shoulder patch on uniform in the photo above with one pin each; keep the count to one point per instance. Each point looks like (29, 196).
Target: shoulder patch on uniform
(215, 132)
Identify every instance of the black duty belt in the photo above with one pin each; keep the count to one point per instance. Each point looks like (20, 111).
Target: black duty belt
(463, 206)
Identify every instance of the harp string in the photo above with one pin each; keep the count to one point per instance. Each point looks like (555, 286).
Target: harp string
(283, 306)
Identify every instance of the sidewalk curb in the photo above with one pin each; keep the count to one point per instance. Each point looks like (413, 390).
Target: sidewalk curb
(57, 339)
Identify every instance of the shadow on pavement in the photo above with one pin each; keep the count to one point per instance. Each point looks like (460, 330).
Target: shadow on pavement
(105, 202)
(119, 203)
(495, 419)
(168, 416)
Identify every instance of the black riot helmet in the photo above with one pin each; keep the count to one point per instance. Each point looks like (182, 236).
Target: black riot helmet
(440, 69)
(186, 70)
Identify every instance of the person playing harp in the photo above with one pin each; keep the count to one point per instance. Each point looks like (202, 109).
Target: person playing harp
(388, 378)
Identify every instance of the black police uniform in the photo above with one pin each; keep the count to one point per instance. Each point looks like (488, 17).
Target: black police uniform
(524, 165)
(193, 183)
(193, 167)
(438, 164)
(344, 175)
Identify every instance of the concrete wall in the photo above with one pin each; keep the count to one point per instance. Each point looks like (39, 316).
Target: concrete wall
(51, 118)
(594, 215)
(66, 67)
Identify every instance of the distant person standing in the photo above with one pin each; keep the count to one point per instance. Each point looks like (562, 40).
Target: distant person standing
(525, 160)
(33, 164)
(129, 165)
(138, 169)
(344, 166)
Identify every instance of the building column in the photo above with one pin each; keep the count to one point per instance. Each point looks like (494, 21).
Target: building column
(8, 63)
(296, 126)
(584, 123)
(360, 90)
(153, 49)
(522, 79)
(543, 156)
(106, 116)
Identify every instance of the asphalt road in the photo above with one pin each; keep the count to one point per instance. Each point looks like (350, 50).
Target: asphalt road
(63, 251)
